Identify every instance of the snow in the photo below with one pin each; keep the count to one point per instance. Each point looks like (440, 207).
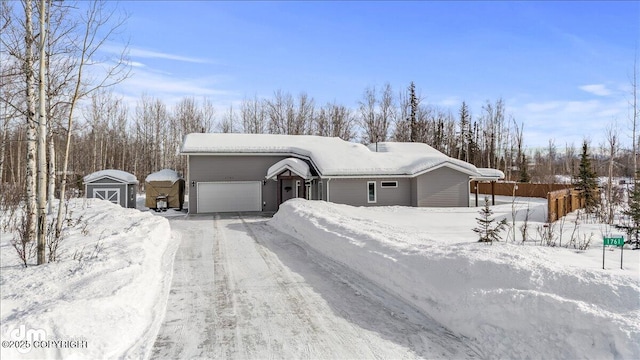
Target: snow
(511, 300)
(163, 175)
(266, 297)
(331, 156)
(116, 174)
(108, 292)
(320, 280)
(488, 173)
(296, 165)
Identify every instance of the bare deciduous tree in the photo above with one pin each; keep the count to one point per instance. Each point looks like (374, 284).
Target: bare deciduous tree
(98, 26)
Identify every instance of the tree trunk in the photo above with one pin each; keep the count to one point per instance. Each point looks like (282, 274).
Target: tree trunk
(51, 189)
(42, 139)
(30, 174)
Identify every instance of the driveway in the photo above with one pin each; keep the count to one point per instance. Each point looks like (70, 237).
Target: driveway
(244, 290)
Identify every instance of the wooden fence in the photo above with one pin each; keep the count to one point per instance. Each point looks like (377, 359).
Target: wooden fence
(561, 198)
(562, 202)
(523, 190)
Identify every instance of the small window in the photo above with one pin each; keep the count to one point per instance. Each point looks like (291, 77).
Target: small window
(389, 184)
(320, 194)
(371, 188)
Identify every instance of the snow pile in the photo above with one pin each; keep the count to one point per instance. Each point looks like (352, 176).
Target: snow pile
(513, 301)
(107, 296)
(163, 175)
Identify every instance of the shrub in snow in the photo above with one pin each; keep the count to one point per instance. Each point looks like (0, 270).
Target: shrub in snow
(488, 230)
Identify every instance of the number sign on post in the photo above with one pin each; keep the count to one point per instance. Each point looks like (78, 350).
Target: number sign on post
(616, 240)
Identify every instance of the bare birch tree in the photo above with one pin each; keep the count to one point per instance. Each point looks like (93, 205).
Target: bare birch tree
(99, 25)
(612, 142)
(42, 135)
(30, 176)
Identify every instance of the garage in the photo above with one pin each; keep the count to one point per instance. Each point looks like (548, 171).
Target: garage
(229, 196)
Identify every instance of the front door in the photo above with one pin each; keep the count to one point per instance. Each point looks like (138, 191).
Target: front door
(290, 187)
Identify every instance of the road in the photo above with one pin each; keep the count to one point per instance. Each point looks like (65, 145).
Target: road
(242, 290)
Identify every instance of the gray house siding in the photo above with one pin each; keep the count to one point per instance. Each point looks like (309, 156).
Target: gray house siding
(203, 168)
(356, 192)
(443, 187)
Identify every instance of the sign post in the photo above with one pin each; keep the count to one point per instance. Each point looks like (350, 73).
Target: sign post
(615, 240)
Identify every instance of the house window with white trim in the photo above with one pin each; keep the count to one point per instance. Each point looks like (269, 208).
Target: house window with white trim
(388, 184)
(320, 194)
(371, 191)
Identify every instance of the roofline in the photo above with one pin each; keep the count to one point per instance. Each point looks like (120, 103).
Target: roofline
(284, 167)
(120, 181)
(288, 154)
(446, 163)
(450, 165)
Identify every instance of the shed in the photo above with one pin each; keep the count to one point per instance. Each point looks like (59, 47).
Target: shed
(117, 186)
(167, 183)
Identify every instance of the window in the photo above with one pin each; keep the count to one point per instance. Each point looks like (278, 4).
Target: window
(389, 184)
(371, 188)
(320, 190)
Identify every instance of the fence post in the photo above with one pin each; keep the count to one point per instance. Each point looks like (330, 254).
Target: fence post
(549, 207)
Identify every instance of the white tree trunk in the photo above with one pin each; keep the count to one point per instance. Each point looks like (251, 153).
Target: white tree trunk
(42, 138)
(30, 173)
(51, 189)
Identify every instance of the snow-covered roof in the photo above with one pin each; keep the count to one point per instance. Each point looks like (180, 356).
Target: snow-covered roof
(489, 174)
(163, 175)
(332, 156)
(296, 166)
(112, 173)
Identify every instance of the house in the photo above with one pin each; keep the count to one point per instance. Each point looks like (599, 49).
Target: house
(117, 186)
(258, 172)
(164, 183)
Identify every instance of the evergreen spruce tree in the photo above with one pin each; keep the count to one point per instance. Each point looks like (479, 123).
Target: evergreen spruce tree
(632, 226)
(524, 174)
(487, 229)
(413, 102)
(586, 179)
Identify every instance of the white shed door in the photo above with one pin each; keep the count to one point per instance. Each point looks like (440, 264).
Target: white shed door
(229, 196)
(112, 195)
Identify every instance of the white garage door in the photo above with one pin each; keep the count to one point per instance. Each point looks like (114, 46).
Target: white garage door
(229, 196)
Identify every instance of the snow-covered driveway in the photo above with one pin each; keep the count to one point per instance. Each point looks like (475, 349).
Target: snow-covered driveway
(244, 290)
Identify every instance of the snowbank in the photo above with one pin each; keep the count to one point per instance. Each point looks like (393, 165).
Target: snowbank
(106, 298)
(514, 301)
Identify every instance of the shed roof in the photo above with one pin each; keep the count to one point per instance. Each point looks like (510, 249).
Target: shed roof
(163, 175)
(119, 175)
(332, 156)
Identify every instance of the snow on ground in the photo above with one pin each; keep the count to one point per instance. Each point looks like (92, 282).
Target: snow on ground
(105, 298)
(258, 294)
(512, 300)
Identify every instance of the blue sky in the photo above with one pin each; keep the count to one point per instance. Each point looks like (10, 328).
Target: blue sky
(562, 68)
